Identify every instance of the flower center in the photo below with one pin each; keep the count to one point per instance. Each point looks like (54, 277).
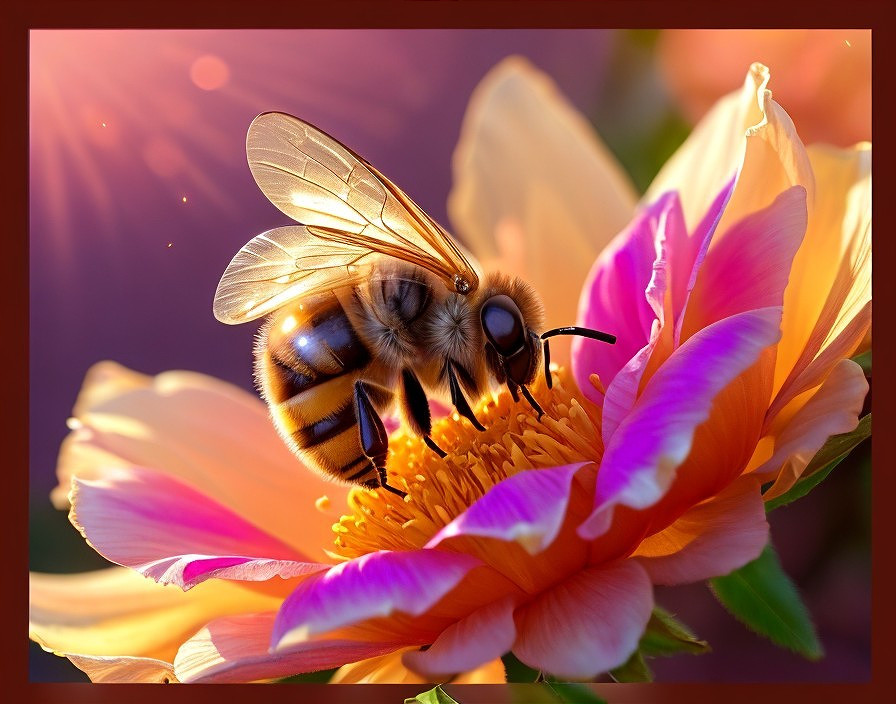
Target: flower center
(439, 489)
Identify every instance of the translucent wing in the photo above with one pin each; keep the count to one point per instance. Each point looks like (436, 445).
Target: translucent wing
(282, 264)
(343, 200)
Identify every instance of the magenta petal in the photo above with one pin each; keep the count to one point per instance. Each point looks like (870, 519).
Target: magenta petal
(484, 635)
(587, 624)
(615, 299)
(376, 584)
(170, 532)
(640, 461)
(527, 508)
(236, 649)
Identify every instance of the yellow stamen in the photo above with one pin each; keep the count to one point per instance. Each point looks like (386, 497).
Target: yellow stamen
(439, 489)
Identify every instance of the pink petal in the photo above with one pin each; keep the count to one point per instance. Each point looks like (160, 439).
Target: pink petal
(833, 409)
(376, 584)
(714, 538)
(623, 389)
(615, 299)
(484, 635)
(696, 254)
(167, 530)
(749, 267)
(678, 257)
(207, 433)
(527, 508)
(236, 649)
(587, 624)
(640, 461)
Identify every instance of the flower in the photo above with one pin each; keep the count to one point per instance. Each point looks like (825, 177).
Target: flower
(543, 537)
(826, 88)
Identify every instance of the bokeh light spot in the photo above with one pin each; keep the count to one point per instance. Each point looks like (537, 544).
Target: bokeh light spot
(209, 72)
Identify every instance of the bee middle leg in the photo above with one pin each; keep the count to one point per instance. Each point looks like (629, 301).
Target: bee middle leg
(416, 408)
(374, 438)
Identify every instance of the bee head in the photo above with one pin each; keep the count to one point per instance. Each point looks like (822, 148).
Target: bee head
(511, 350)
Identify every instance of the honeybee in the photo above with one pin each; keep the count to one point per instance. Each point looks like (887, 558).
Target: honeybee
(371, 305)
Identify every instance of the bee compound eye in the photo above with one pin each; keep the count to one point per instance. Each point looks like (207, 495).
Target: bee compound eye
(502, 323)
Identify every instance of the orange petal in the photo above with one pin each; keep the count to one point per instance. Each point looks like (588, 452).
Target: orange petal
(827, 301)
(117, 612)
(101, 668)
(832, 410)
(711, 539)
(389, 669)
(535, 191)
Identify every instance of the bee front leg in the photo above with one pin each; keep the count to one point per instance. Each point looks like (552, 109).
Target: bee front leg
(374, 438)
(458, 398)
(416, 409)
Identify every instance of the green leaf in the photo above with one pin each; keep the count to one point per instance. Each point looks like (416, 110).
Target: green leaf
(762, 597)
(829, 456)
(436, 695)
(573, 693)
(518, 671)
(632, 670)
(318, 676)
(665, 635)
(864, 361)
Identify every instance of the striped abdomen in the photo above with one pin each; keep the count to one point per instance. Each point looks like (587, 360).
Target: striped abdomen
(308, 357)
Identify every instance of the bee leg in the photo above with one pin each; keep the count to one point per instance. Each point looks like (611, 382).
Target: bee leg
(459, 400)
(532, 402)
(374, 438)
(547, 364)
(416, 408)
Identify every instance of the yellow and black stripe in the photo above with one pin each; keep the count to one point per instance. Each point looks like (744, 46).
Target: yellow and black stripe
(309, 358)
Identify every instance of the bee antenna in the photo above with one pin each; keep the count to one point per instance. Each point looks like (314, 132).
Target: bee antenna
(570, 330)
(581, 332)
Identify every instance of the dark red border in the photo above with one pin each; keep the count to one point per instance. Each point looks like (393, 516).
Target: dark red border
(31, 14)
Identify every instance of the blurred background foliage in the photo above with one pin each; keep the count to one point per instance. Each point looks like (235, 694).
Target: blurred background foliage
(140, 195)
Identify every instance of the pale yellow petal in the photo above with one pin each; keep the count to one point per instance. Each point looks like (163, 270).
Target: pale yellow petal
(118, 612)
(209, 433)
(535, 192)
(713, 152)
(830, 282)
(106, 380)
(123, 669)
(745, 134)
